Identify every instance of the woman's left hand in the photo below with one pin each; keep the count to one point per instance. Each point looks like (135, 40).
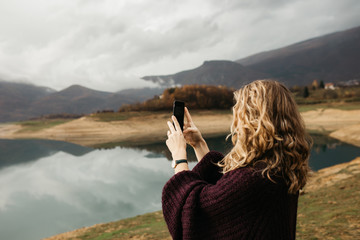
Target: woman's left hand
(176, 141)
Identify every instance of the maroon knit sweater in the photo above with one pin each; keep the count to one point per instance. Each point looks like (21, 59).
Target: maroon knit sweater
(241, 204)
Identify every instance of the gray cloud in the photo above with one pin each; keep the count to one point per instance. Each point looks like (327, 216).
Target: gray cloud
(110, 44)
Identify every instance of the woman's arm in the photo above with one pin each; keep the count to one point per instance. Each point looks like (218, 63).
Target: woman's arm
(177, 145)
(201, 149)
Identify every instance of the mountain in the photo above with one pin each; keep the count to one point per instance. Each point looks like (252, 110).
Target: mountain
(131, 95)
(332, 58)
(19, 101)
(219, 72)
(75, 99)
(16, 99)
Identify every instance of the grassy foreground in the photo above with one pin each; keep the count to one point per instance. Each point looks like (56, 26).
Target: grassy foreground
(331, 212)
(40, 124)
(329, 208)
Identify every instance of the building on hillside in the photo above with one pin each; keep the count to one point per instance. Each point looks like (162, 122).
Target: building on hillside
(330, 86)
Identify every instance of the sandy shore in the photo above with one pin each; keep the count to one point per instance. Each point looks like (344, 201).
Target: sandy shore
(87, 131)
(343, 125)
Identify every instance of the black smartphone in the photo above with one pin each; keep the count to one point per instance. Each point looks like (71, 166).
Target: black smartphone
(178, 112)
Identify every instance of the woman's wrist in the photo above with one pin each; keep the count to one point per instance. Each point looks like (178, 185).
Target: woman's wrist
(181, 167)
(200, 144)
(201, 149)
(179, 155)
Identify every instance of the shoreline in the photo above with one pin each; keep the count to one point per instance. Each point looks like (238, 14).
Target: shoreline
(343, 125)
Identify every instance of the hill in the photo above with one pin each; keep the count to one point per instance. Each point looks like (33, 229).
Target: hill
(19, 101)
(331, 58)
(226, 73)
(74, 100)
(16, 99)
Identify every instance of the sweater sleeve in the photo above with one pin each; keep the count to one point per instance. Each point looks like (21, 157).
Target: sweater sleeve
(207, 168)
(190, 203)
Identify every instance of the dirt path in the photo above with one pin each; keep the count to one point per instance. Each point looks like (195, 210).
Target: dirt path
(344, 125)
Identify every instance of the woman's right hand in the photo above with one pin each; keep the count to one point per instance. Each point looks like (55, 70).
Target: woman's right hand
(191, 132)
(193, 137)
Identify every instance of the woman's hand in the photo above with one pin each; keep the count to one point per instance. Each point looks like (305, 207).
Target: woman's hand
(194, 138)
(176, 141)
(191, 132)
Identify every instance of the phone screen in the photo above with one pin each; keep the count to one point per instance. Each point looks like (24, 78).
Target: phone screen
(178, 112)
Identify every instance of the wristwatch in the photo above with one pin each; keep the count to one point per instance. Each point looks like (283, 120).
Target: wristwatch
(176, 162)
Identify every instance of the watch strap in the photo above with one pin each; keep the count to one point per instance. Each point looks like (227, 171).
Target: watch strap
(179, 161)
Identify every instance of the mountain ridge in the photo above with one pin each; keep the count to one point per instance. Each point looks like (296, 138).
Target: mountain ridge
(22, 101)
(214, 72)
(332, 58)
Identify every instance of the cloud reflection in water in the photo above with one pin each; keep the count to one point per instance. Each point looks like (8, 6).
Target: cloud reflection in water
(64, 192)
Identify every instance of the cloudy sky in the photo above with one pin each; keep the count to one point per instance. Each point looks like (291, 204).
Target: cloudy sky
(110, 44)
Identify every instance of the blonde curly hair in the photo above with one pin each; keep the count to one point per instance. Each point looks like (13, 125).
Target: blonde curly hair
(267, 127)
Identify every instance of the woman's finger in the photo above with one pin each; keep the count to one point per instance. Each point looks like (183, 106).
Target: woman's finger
(188, 116)
(171, 127)
(176, 123)
(168, 132)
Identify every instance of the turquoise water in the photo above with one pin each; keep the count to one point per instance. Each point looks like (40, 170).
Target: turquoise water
(49, 187)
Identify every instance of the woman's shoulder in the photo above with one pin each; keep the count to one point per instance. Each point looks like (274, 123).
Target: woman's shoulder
(252, 177)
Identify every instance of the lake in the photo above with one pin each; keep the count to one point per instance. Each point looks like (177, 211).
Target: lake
(50, 187)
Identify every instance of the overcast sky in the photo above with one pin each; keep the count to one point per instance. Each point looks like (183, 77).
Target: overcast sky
(110, 44)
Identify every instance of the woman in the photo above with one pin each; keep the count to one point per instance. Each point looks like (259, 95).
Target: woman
(252, 192)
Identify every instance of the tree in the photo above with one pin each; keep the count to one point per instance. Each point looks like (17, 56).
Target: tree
(315, 84)
(306, 92)
(322, 85)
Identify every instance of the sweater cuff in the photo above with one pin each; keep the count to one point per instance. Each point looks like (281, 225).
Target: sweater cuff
(207, 168)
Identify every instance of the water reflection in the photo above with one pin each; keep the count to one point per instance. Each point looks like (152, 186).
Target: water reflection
(50, 187)
(328, 151)
(20, 151)
(218, 143)
(62, 192)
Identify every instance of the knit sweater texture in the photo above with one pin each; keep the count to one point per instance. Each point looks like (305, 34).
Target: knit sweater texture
(241, 204)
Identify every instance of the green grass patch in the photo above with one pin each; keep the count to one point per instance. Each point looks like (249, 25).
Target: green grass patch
(118, 116)
(149, 226)
(37, 125)
(331, 213)
(121, 116)
(335, 105)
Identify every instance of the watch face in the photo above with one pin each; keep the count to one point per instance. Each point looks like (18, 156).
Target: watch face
(173, 164)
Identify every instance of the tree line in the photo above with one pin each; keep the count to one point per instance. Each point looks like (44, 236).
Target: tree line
(195, 97)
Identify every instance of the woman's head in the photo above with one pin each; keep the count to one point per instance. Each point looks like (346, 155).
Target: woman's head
(267, 127)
